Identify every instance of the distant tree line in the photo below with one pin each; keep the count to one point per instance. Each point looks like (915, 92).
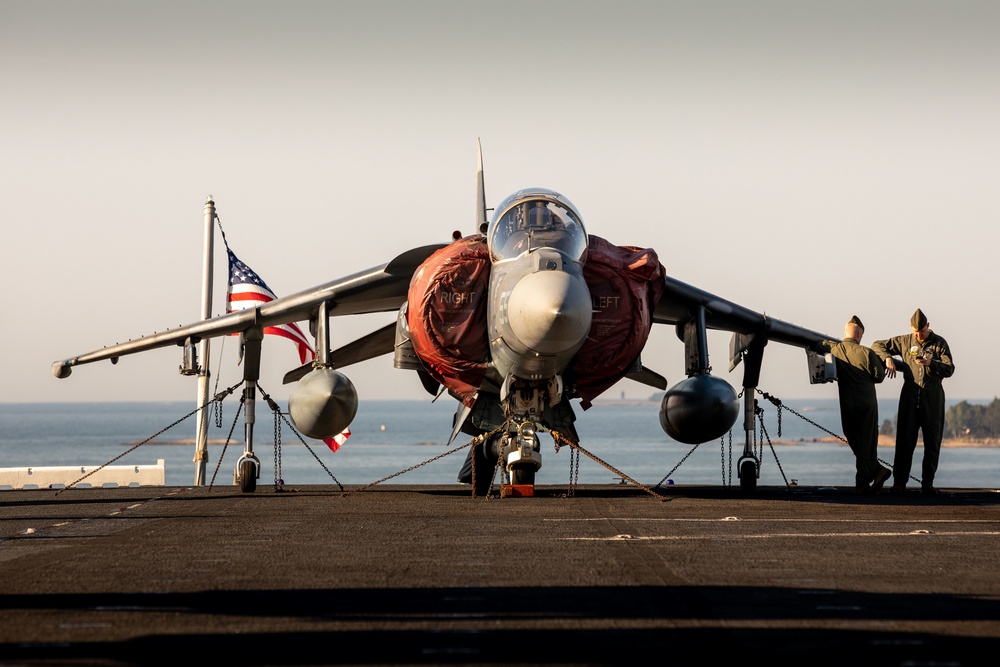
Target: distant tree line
(967, 420)
(964, 420)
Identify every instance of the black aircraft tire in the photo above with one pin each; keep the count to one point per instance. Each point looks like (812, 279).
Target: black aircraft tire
(748, 477)
(485, 470)
(522, 475)
(485, 467)
(484, 479)
(248, 476)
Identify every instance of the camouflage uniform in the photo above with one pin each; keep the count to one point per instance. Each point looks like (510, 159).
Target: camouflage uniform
(858, 371)
(921, 401)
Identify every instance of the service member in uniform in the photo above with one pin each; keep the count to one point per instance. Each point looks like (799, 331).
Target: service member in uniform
(859, 369)
(924, 359)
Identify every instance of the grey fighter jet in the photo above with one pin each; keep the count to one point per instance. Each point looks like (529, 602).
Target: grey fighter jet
(514, 322)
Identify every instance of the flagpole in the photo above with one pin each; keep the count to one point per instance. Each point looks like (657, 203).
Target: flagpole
(201, 439)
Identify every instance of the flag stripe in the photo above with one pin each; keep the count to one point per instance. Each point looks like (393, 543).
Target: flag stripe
(289, 331)
(248, 290)
(336, 441)
(290, 334)
(249, 296)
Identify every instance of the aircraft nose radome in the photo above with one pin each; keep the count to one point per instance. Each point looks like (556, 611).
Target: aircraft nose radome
(550, 311)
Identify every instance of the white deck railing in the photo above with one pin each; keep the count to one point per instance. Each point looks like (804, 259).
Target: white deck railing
(51, 477)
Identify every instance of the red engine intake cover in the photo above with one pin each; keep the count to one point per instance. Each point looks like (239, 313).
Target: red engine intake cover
(446, 314)
(447, 307)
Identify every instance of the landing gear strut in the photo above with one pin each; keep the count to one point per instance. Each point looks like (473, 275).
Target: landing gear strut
(749, 466)
(519, 451)
(248, 467)
(522, 454)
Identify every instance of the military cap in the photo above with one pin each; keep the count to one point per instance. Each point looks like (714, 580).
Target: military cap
(856, 320)
(919, 320)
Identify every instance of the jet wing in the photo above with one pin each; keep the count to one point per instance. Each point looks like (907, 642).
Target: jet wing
(681, 301)
(379, 289)
(379, 342)
(648, 377)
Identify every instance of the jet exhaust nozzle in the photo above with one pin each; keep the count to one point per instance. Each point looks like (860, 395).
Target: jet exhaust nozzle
(323, 403)
(699, 409)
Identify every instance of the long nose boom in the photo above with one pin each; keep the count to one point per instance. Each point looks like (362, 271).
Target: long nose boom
(550, 312)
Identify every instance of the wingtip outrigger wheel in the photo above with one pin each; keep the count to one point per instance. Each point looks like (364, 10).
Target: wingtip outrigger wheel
(748, 470)
(247, 472)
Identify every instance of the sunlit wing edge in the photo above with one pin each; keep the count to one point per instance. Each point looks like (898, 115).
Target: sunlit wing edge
(379, 289)
(680, 300)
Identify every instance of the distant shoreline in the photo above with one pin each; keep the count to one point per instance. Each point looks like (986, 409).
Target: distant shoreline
(890, 441)
(184, 441)
(883, 441)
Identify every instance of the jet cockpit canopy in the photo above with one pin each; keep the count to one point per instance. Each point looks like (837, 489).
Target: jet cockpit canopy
(536, 218)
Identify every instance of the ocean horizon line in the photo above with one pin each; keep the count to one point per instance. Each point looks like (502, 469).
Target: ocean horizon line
(391, 436)
(596, 401)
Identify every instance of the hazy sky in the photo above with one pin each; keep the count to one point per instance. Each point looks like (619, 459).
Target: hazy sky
(809, 160)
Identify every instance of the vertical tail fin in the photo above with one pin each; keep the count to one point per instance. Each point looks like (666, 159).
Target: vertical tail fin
(481, 222)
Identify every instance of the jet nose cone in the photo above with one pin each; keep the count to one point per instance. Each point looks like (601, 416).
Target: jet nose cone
(550, 311)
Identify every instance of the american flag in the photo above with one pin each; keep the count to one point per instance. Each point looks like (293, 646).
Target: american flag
(336, 441)
(248, 290)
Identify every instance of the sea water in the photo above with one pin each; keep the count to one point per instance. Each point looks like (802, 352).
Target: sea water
(406, 442)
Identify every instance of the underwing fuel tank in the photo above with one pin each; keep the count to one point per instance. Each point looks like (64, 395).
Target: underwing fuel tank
(699, 409)
(323, 403)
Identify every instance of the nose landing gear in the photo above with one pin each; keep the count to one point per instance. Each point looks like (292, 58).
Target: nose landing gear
(518, 451)
(522, 454)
